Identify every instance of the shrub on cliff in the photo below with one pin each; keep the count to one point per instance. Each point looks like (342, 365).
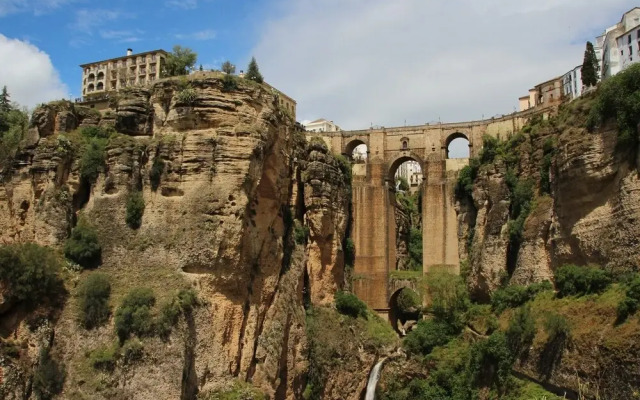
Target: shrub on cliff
(521, 331)
(572, 280)
(170, 311)
(300, 232)
(631, 302)
(516, 295)
(134, 314)
(449, 297)
(49, 377)
(155, 174)
(93, 300)
(617, 97)
(92, 161)
(349, 252)
(30, 273)
(99, 132)
(349, 304)
(83, 247)
(135, 209)
(427, 335)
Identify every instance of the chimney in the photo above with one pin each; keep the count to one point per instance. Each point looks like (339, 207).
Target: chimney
(129, 52)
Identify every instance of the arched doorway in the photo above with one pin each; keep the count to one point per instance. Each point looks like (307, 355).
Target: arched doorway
(405, 307)
(458, 146)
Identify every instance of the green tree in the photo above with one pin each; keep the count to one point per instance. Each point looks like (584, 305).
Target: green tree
(5, 104)
(253, 72)
(83, 246)
(93, 300)
(179, 61)
(228, 68)
(134, 314)
(590, 66)
(402, 183)
(135, 210)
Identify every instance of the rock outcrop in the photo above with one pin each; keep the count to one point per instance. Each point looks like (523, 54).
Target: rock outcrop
(218, 220)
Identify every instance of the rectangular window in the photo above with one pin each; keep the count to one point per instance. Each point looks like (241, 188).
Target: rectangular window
(630, 50)
(629, 39)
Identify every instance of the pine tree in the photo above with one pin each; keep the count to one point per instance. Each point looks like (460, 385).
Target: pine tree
(253, 72)
(5, 103)
(590, 66)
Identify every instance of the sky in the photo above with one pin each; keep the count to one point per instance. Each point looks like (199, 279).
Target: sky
(359, 63)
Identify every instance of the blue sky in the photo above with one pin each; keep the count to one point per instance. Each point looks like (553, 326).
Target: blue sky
(356, 62)
(76, 32)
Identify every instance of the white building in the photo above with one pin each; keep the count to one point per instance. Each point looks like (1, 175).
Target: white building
(321, 125)
(572, 83)
(619, 45)
(410, 171)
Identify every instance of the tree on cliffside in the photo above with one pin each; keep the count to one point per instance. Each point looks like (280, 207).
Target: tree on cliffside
(590, 66)
(253, 72)
(180, 61)
(5, 104)
(228, 68)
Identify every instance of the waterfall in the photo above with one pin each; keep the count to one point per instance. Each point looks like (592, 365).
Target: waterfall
(373, 381)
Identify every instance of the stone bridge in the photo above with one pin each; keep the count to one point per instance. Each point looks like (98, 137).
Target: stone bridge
(374, 226)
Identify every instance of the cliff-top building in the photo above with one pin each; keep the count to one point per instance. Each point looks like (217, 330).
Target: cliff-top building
(619, 45)
(101, 77)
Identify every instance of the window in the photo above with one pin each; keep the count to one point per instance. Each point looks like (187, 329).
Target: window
(405, 145)
(630, 51)
(629, 39)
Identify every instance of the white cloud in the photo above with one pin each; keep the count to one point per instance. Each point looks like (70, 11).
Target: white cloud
(124, 36)
(362, 62)
(207, 34)
(30, 76)
(184, 4)
(38, 7)
(87, 20)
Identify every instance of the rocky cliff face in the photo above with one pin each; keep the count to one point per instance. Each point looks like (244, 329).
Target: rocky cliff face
(588, 214)
(236, 176)
(591, 215)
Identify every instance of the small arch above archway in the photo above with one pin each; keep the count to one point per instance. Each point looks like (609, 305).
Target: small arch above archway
(357, 151)
(457, 145)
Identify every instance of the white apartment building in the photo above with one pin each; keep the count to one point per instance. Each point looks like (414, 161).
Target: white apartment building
(619, 45)
(572, 83)
(321, 125)
(410, 171)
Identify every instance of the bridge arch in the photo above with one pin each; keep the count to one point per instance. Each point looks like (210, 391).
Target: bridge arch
(399, 311)
(352, 145)
(399, 160)
(456, 136)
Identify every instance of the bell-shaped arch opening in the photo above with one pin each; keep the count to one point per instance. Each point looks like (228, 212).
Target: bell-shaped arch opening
(357, 151)
(407, 184)
(90, 88)
(458, 146)
(100, 86)
(100, 75)
(406, 174)
(405, 307)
